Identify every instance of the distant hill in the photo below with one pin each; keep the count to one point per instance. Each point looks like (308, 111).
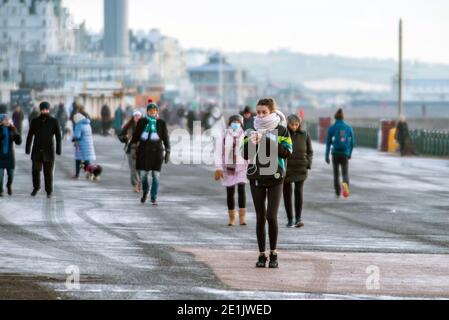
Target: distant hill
(291, 67)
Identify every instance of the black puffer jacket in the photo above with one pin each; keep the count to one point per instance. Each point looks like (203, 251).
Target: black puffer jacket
(260, 160)
(300, 161)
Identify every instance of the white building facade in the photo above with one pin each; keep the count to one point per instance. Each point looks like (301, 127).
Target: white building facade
(35, 26)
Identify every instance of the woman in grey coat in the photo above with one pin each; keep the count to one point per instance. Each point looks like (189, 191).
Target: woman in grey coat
(298, 165)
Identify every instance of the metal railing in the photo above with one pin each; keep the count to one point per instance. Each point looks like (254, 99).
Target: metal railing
(366, 137)
(431, 142)
(427, 142)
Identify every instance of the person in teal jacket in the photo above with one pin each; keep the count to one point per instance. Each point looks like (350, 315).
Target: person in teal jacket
(340, 142)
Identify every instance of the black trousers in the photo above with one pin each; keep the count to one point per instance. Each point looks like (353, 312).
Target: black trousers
(267, 211)
(48, 167)
(241, 194)
(106, 126)
(337, 162)
(288, 200)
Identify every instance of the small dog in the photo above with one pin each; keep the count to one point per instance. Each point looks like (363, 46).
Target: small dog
(93, 172)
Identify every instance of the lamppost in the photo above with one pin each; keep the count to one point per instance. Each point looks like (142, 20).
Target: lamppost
(220, 81)
(401, 80)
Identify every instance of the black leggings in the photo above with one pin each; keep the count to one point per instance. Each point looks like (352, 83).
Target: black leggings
(242, 197)
(288, 186)
(78, 166)
(267, 213)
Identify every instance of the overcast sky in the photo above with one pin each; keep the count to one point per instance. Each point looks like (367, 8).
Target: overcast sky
(355, 28)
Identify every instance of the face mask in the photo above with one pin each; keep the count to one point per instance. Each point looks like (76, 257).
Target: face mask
(235, 126)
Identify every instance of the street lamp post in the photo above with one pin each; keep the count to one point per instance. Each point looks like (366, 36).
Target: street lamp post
(220, 82)
(401, 80)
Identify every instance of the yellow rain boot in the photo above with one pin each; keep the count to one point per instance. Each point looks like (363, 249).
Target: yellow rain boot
(242, 217)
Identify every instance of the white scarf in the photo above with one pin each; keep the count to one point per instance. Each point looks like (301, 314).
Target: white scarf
(228, 146)
(271, 121)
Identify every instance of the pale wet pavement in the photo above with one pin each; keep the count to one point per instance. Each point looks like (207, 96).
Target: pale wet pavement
(125, 250)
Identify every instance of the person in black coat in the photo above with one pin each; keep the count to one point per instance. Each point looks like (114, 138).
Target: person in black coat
(33, 114)
(402, 136)
(298, 165)
(62, 117)
(8, 136)
(106, 119)
(248, 118)
(17, 118)
(191, 118)
(40, 135)
(151, 135)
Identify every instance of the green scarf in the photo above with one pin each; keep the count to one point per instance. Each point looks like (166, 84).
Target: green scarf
(150, 131)
(152, 125)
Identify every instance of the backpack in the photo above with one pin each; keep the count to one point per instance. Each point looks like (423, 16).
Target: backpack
(341, 141)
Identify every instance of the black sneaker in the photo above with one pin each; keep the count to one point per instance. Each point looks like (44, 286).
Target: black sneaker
(299, 224)
(273, 261)
(154, 202)
(49, 195)
(9, 190)
(144, 198)
(290, 224)
(262, 262)
(34, 193)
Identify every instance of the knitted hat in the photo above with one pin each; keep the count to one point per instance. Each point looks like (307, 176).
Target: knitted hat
(151, 105)
(137, 113)
(235, 118)
(78, 117)
(44, 106)
(3, 117)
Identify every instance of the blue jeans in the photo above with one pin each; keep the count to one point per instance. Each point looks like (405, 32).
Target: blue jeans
(155, 175)
(10, 173)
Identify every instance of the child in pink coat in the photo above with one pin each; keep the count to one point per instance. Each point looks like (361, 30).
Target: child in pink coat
(231, 168)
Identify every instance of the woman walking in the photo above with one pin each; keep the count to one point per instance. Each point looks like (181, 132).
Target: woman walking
(231, 168)
(84, 144)
(131, 148)
(8, 136)
(298, 165)
(267, 147)
(152, 137)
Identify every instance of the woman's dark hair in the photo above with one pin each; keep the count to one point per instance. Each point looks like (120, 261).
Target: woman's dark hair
(339, 115)
(269, 102)
(247, 109)
(235, 118)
